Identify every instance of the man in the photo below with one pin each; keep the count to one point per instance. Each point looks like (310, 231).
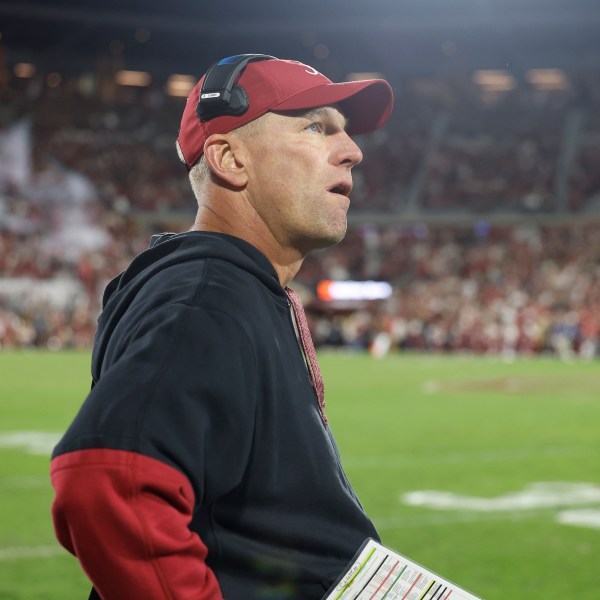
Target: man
(201, 466)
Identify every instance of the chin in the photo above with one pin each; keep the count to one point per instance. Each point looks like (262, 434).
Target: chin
(329, 234)
(332, 238)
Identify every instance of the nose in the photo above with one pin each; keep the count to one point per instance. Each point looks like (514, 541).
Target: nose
(347, 151)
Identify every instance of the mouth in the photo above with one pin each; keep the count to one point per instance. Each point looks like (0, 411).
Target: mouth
(343, 188)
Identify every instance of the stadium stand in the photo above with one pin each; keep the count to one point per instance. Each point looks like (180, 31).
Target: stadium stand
(98, 176)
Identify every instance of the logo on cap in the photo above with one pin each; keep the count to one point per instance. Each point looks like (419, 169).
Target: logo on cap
(307, 69)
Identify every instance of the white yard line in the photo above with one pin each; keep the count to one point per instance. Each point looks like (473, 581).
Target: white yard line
(583, 517)
(567, 503)
(32, 442)
(535, 496)
(21, 552)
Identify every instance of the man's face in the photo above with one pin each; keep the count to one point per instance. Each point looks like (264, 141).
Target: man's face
(300, 177)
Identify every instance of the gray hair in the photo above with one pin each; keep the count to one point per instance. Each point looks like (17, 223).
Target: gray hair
(200, 174)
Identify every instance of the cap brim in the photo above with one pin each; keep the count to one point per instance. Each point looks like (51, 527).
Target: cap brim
(366, 104)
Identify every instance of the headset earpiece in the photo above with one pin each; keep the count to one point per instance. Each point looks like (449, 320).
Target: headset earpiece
(220, 95)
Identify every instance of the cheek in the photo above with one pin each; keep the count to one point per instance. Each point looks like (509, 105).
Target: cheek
(292, 177)
(273, 168)
(292, 168)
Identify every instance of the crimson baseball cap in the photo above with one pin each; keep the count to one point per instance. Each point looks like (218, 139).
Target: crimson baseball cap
(282, 85)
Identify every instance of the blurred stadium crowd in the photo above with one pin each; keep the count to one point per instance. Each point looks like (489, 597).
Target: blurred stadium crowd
(85, 180)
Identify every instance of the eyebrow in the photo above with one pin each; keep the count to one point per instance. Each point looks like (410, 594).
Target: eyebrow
(323, 111)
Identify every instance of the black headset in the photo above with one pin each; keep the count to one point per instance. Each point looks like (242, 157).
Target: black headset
(220, 95)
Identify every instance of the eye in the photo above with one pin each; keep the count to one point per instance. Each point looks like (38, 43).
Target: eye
(315, 128)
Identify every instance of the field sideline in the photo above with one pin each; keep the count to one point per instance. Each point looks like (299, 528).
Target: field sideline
(485, 471)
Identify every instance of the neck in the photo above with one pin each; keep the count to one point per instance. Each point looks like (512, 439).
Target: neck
(285, 261)
(287, 272)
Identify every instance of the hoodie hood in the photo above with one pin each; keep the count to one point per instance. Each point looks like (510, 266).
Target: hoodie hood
(167, 250)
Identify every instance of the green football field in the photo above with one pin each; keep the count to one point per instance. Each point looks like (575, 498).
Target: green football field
(487, 472)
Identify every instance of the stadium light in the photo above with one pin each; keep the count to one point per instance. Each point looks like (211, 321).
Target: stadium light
(24, 70)
(134, 78)
(180, 85)
(491, 80)
(548, 79)
(365, 75)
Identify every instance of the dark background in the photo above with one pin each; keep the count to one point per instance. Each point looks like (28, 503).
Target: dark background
(387, 36)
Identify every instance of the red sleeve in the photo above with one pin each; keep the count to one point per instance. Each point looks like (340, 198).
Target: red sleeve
(125, 516)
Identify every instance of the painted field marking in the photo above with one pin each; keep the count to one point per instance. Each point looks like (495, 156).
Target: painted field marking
(33, 442)
(536, 499)
(19, 553)
(534, 496)
(582, 517)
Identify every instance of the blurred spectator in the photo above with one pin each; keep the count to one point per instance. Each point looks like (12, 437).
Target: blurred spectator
(74, 208)
(504, 290)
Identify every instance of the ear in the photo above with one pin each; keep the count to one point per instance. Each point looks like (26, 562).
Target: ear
(226, 158)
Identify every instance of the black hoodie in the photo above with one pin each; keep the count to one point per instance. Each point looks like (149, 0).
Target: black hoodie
(200, 466)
